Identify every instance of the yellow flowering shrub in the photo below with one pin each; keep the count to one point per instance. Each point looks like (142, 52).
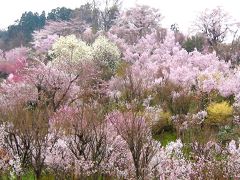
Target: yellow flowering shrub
(219, 113)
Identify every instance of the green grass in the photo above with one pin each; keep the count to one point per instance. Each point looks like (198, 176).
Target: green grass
(166, 137)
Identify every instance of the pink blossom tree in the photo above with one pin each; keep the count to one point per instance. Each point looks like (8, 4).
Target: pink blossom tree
(136, 23)
(13, 61)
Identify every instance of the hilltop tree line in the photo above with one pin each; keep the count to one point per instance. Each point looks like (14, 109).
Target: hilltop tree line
(210, 29)
(20, 33)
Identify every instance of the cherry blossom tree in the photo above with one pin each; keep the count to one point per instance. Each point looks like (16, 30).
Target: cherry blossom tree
(136, 23)
(215, 24)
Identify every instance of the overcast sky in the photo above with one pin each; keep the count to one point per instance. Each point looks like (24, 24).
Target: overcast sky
(182, 12)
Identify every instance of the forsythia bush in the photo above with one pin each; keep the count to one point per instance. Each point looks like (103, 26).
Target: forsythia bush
(218, 113)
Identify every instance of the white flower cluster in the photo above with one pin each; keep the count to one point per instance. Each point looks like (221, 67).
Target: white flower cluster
(234, 159)
(201, 115)
(174, 148)
(70, 49)
(106, 52)
(15, 163)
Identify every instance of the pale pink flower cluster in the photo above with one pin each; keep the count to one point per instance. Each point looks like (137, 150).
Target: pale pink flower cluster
(44, 45)
(152, 61)
(233, 165)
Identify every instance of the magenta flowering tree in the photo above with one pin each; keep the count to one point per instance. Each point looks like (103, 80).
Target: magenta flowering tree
(13, 61)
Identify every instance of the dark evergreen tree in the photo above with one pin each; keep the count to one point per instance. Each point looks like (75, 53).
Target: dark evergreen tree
(59, 14)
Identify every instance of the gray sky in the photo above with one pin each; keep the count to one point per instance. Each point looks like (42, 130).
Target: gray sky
(182, 12)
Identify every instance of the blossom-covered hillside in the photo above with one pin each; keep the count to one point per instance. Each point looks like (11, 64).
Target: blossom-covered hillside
(128, 103)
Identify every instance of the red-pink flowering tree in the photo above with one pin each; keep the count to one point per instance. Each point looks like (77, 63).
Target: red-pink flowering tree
(13, 61)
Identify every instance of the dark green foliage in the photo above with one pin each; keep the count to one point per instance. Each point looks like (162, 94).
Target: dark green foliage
(21, 32)
(174, 27)
(194, 42)
(3, 75)
(60, 14)
(98, 19)
(166, 137)
(3, 35)
(109, 15)
(29, 22)
(227, 133)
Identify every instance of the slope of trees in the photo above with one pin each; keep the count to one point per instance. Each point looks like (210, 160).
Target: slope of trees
(21, 32)
(134, 102)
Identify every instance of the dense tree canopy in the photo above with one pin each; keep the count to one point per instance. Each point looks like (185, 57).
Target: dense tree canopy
(59, 14)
